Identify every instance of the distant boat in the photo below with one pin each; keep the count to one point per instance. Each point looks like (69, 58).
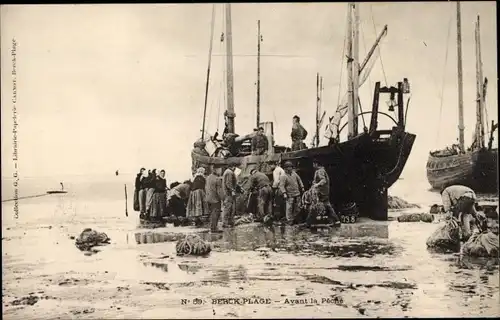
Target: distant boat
(475, 167)
(58, 191)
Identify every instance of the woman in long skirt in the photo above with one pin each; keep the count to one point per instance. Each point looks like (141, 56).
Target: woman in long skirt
(197, 204)
(138, 186)
(159, 206)
(150, 190)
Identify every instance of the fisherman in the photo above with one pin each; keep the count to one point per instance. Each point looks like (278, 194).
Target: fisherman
(277, 198)
(260, 183)
(138, 187)
(150, 189)
(321, 182)
(178, 199)
(229, 187)
(299, 134)
(214, 197)
(259, 142)
(291, 187)
(460, 202)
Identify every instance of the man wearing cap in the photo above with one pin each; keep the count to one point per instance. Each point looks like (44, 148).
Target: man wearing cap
(298, 135)
(260, 183)
(214, 197)
(229, 191)
(277, 198)
(291, 187)
(321, 182)
(460, 202)
(259, 142)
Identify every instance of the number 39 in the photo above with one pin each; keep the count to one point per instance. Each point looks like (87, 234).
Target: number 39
(348, 219)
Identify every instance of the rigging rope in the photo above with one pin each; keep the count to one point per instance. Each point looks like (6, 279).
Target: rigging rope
(444, 76)
(378, 47)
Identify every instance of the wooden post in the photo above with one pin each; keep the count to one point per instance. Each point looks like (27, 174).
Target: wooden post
(126, 206)
(316, 143)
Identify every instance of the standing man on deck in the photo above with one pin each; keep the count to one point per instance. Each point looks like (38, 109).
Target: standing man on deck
(259, 142)
(260, 183)
(291, 187)
(299, 134)
(214, 197)
(460, 202)
(229, 202)
(321, 182)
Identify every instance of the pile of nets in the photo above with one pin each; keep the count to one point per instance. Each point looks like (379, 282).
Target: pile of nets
(446, 238)
(484, 244)
(90, 238)
(416, 217)
(313, 208)
(396, 203)
(192, 244)
(244, 219)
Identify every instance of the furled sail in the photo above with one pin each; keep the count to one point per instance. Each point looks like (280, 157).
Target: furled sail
(333, 128)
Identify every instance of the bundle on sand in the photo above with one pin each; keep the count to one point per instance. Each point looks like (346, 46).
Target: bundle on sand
(90, 238)
(446, 238)
(398, 203)
(244, 219)
(192, 244)
(436, 208)
(416, 217)
(484, 244)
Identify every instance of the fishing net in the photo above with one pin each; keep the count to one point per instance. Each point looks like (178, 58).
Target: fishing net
(484, 244)
(192, 245)
(446, 237)
(90, 238)
(416, 217)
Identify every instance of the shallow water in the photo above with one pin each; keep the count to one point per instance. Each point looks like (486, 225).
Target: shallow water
(367, 269)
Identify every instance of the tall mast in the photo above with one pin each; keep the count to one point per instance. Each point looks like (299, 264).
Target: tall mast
(259, 40)
(479, 89)
(460, 82)
(353, 69)
(229, 66)
(316, 143)
(208, 71)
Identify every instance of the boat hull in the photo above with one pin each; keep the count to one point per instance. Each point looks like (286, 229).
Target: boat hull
(360, 170)
(476, 169)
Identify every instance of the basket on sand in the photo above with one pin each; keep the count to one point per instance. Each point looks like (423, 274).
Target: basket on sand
(484, 244)
(192, 244)
(446, 238)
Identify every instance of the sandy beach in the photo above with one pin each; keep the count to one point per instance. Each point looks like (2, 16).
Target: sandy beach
(372, 269)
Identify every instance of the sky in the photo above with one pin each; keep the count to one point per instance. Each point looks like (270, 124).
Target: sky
(117, 87)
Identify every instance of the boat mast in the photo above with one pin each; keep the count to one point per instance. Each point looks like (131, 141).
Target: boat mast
(316, 143)
(259, 40)
(229, 66)
(353, 69)
(460, 82)
(479, 88)
(208, 71)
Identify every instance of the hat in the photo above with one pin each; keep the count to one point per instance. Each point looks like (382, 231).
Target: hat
(253, 170)
(288, 164)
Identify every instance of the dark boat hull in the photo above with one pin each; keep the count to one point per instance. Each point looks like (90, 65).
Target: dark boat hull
(56, 191)
(476, 169)
(360, 170)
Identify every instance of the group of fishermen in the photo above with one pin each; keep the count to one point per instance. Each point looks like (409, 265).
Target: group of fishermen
(216, 196)
(260, 144)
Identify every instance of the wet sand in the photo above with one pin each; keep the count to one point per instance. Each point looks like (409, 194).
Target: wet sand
(374, 269)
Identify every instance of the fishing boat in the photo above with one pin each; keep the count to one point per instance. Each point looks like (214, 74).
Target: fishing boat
(57, 191)
(476, 166)
(361, 168)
